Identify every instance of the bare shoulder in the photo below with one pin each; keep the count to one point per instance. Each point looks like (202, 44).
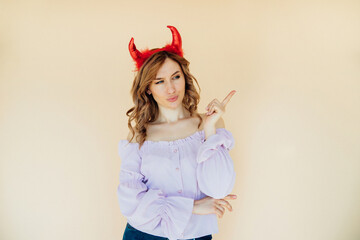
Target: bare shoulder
(219, 124)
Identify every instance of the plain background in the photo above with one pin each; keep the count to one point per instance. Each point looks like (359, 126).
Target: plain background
(65, 79)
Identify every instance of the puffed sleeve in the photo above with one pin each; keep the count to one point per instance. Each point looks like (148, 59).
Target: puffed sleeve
(215, 170)
(146, 208)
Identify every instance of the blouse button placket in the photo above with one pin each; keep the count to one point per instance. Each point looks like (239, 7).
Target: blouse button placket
(175, 150)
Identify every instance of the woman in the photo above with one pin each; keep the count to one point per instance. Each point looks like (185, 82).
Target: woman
(176, 172)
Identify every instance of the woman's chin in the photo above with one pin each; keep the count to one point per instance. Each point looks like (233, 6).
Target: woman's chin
(173, 105)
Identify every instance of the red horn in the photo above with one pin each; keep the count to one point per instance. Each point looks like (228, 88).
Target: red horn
(176, 43)
(135, 54)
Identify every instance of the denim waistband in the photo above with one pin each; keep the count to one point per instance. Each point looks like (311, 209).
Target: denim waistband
(132, 233)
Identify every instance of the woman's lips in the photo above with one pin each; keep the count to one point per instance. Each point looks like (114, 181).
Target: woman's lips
(172, 99)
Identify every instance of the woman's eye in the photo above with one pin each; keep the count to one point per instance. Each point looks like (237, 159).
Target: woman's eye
(177, 77)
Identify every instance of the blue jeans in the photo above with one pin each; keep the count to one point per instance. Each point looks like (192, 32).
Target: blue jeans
(132, 233)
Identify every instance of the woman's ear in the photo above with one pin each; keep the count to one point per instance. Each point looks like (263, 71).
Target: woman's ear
(148, 91)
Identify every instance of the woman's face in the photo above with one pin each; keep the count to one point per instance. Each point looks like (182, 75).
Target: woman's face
(169, 83)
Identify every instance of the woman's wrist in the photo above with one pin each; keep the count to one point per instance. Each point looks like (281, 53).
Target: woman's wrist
(195, 207)
(209, 130)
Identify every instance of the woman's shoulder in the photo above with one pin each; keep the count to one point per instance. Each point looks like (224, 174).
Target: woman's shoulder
(157, 132)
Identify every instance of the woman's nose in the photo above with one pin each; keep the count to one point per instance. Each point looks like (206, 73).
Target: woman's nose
(170, 88)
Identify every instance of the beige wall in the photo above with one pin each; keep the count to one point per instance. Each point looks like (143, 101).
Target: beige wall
(65, 77)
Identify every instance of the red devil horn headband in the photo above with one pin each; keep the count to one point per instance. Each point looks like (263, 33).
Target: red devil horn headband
(140, 57)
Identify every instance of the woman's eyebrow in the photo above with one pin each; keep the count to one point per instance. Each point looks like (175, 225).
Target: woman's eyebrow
(171, 75)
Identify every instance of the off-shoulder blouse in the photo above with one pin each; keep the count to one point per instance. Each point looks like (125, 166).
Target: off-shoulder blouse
(160, 181)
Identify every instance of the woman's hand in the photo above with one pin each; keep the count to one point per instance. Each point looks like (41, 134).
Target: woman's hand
(215, 109)
(209, 205)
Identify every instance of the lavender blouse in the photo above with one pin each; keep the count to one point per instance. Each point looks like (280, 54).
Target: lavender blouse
(160, 181)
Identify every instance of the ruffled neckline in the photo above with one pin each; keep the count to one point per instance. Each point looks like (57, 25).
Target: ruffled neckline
(196, 135)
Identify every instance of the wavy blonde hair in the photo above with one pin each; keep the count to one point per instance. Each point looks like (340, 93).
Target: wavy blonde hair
(146, 109)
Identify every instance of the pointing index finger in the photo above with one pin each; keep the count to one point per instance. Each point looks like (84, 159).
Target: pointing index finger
(228, 97)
